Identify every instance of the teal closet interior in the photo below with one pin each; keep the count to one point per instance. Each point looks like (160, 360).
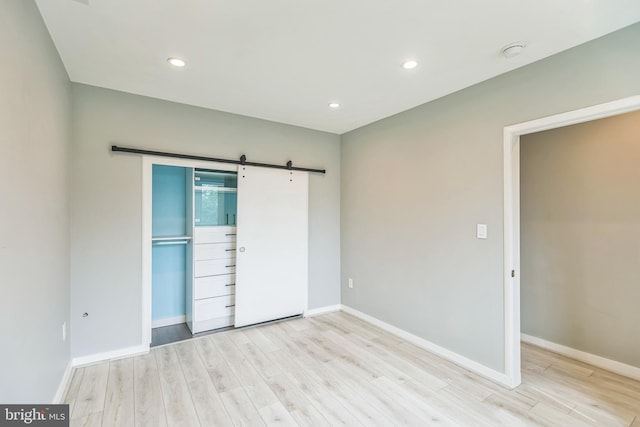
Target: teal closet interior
(171, 235)
(185, 200)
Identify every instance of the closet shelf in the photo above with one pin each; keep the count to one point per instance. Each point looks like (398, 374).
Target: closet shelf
(216, 189)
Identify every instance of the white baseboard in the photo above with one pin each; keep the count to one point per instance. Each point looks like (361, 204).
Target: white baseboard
(456, 358)
(591, 359)
(115, 354)
(64, 383)
(168, 321)
(322, 310)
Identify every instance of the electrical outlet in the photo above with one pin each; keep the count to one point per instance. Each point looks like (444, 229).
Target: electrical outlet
(350, 283)
(64, 331)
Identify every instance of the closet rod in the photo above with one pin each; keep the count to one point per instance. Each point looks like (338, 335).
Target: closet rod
(242, 161)
(170, 242)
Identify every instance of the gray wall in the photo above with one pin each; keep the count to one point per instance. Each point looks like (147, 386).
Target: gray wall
(107, 190)
(415, 185)
(35, 139)
(580, 236)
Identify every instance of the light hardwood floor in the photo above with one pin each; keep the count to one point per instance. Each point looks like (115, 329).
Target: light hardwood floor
(338, 370)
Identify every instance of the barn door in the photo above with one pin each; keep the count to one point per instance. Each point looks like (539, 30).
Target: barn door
(272, 244)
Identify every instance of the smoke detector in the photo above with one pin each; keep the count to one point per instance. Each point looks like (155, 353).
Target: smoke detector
(513, 49)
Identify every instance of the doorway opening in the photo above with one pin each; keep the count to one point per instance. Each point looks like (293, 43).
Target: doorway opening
(511, 278)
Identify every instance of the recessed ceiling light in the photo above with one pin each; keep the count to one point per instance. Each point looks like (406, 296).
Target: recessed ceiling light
(407, 65)
(513, 49)
(334, 105)
(176, 62)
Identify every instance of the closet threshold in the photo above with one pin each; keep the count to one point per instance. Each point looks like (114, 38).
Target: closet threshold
(184, 334)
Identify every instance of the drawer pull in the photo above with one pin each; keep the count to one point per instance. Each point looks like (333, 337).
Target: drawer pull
(230, 234)
(231, 284)
(229, 250)
(229, 306)
(230, 266)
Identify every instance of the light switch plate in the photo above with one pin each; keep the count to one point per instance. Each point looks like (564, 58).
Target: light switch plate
(481, 231)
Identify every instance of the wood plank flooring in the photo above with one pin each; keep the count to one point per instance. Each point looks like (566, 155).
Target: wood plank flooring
(336, 369)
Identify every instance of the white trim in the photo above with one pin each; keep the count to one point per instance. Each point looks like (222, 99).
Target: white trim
(64, 383)
(456, 358)
(168, 321)
(145, 311)
(512, 212)
(109, 355)
(511, 241)
(321, 310)
(582, 356)
(587, 114)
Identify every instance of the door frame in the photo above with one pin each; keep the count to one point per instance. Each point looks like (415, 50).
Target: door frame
(147, 212)
(511, 146)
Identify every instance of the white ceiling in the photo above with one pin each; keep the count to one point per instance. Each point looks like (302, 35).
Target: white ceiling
(285, 60)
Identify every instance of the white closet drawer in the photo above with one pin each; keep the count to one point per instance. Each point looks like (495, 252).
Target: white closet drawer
(207, 325)
(214, 267)
(214, 286)
(212, 308)
(214, 251)
(218, 234)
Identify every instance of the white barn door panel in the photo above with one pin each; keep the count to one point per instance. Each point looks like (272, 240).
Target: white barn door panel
(272, 244)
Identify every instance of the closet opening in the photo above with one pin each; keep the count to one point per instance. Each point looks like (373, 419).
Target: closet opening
(168, 221)
(194, 214)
